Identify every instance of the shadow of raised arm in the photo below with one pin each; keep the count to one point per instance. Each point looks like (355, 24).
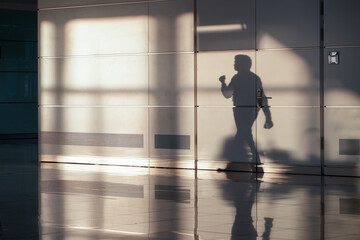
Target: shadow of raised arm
(226, 90)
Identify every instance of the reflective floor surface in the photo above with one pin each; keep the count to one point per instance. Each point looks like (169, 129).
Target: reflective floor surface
(108, 202)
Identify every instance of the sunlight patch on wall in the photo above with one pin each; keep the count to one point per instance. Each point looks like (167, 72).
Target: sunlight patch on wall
(108, 35)
(184, 32)
(290, 76)
(47, 35)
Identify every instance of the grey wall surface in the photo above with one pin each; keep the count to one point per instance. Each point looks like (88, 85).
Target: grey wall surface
(152, 68)
(116, 69)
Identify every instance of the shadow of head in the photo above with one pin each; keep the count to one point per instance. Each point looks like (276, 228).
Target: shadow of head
(242, 63)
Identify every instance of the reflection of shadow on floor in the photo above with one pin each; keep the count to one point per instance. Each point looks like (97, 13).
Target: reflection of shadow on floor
(291, 164)
(242, 191)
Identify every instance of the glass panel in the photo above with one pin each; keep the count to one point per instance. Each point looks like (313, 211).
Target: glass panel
(283, 23)
(224, 25)
(116, 80)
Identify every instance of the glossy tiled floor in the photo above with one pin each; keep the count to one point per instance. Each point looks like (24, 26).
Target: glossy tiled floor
(107, 202)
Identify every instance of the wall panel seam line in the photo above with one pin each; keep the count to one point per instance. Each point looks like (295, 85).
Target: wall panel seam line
(100, 5)
(95, 5)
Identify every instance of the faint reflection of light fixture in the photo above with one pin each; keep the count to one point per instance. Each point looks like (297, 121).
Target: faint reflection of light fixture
(221, 28)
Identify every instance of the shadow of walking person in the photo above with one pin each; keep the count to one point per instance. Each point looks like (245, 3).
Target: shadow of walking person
(248, 97)
(242, 189)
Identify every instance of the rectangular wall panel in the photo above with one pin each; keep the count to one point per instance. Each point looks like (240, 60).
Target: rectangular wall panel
(290, 77)
(211, 66)
(171, 26)
(171, 80)
(341, 84)
(341, 19)
(171, 136)
(226, 135)
(111, 132)
(111, 80)
(225, 25)
(94, 30)
(294, 138)
(18, 56)
(283, 23)
(94, 139)
(342, 132)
